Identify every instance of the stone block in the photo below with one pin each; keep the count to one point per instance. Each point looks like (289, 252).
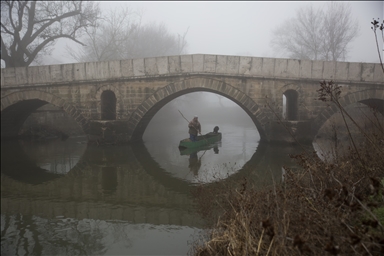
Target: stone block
(126, 68)
(2, 77)
(8, 77)
(33, 75)
(79, 71)
(354, 71)
(21, 75)
(45, 76)
(305, 69)
(317, 69)
(378, 74)
(245, 65)
(150, 66)
(67, 72)
(174, 64)
(138, 67)
(197, 63)
(114, 68)
(281, 68)
(341, 71)
(56, 73)
(186, 63)
(233, 63)
(209, 63)
(293, 68)
(221, 66)
(256, 66)
(367, 72)
(329, 70)
(162, 65)
(268, 67)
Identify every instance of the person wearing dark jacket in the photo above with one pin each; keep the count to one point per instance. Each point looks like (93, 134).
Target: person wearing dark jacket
(194, 128)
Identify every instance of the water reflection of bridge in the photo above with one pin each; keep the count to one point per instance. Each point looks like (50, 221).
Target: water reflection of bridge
(123, 183)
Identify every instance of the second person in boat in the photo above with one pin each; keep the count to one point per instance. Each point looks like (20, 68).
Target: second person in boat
(194, 129)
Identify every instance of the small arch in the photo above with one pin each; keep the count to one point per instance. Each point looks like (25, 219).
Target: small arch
(108, 105)
(119, 101)
(290, 105)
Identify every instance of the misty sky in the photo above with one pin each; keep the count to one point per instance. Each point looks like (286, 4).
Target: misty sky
(239, 28)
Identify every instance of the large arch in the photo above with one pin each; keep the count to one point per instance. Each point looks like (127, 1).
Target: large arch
(143, 114)
(370, 97)
(17, 106)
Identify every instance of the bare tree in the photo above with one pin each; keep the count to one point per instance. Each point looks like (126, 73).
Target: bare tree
(29, 29)
(114, 32)
(155, 40)
(121, 35)
(317, 34)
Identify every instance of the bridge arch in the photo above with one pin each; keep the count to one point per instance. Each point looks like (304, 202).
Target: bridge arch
(370, 97)
(99, 94)
(143, 114)
(292, 93)
(17, 106)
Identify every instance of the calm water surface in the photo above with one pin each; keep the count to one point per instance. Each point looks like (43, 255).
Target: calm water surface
(65, 198)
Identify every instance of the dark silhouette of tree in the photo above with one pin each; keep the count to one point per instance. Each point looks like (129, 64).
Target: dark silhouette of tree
(376, 25)
(317, 34)
(29, 29)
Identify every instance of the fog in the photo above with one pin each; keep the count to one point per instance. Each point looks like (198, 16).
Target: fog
(237, 28)
(211, 109)
(228, 28)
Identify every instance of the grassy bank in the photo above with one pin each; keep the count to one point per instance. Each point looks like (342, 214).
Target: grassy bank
(333, 207)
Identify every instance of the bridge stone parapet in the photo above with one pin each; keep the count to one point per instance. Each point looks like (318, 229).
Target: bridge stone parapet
(138, 88)
(191, 64)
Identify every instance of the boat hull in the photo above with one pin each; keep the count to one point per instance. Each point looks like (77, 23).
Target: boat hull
(202, 140)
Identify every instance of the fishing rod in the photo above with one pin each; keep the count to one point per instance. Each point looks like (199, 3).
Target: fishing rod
(193, 127)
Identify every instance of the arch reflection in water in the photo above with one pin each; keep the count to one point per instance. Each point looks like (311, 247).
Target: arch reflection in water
(56, 156)
(115, 188)
(237, 146)
(38, 162)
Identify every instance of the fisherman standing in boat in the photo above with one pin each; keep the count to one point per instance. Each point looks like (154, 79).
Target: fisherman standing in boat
(194, 128)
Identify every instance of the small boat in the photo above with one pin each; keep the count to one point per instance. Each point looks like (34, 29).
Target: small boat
(189, 151)
(202, 140)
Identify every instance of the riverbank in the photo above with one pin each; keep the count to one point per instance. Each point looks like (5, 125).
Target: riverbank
(326, 206)
(320, 208)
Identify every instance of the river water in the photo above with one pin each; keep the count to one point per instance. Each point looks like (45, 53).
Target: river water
(67, 198)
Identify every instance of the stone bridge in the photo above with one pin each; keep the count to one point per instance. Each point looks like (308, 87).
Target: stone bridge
(115, 100)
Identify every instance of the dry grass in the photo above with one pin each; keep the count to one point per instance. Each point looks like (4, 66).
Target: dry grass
(326, 207)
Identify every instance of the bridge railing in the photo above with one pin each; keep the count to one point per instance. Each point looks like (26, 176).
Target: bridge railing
(192, 64)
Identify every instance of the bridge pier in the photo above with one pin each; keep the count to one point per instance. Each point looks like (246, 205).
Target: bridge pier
(108, 132)
(288, 132)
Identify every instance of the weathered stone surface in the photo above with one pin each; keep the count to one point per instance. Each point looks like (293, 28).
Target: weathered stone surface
(142, 86)
(221, 66)
(329, 70)
(198, 63)
(305, 69)
(162, 65)
(210, 63)
(245, 65)
(268, 67)
(174, 64)
(138, 67)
